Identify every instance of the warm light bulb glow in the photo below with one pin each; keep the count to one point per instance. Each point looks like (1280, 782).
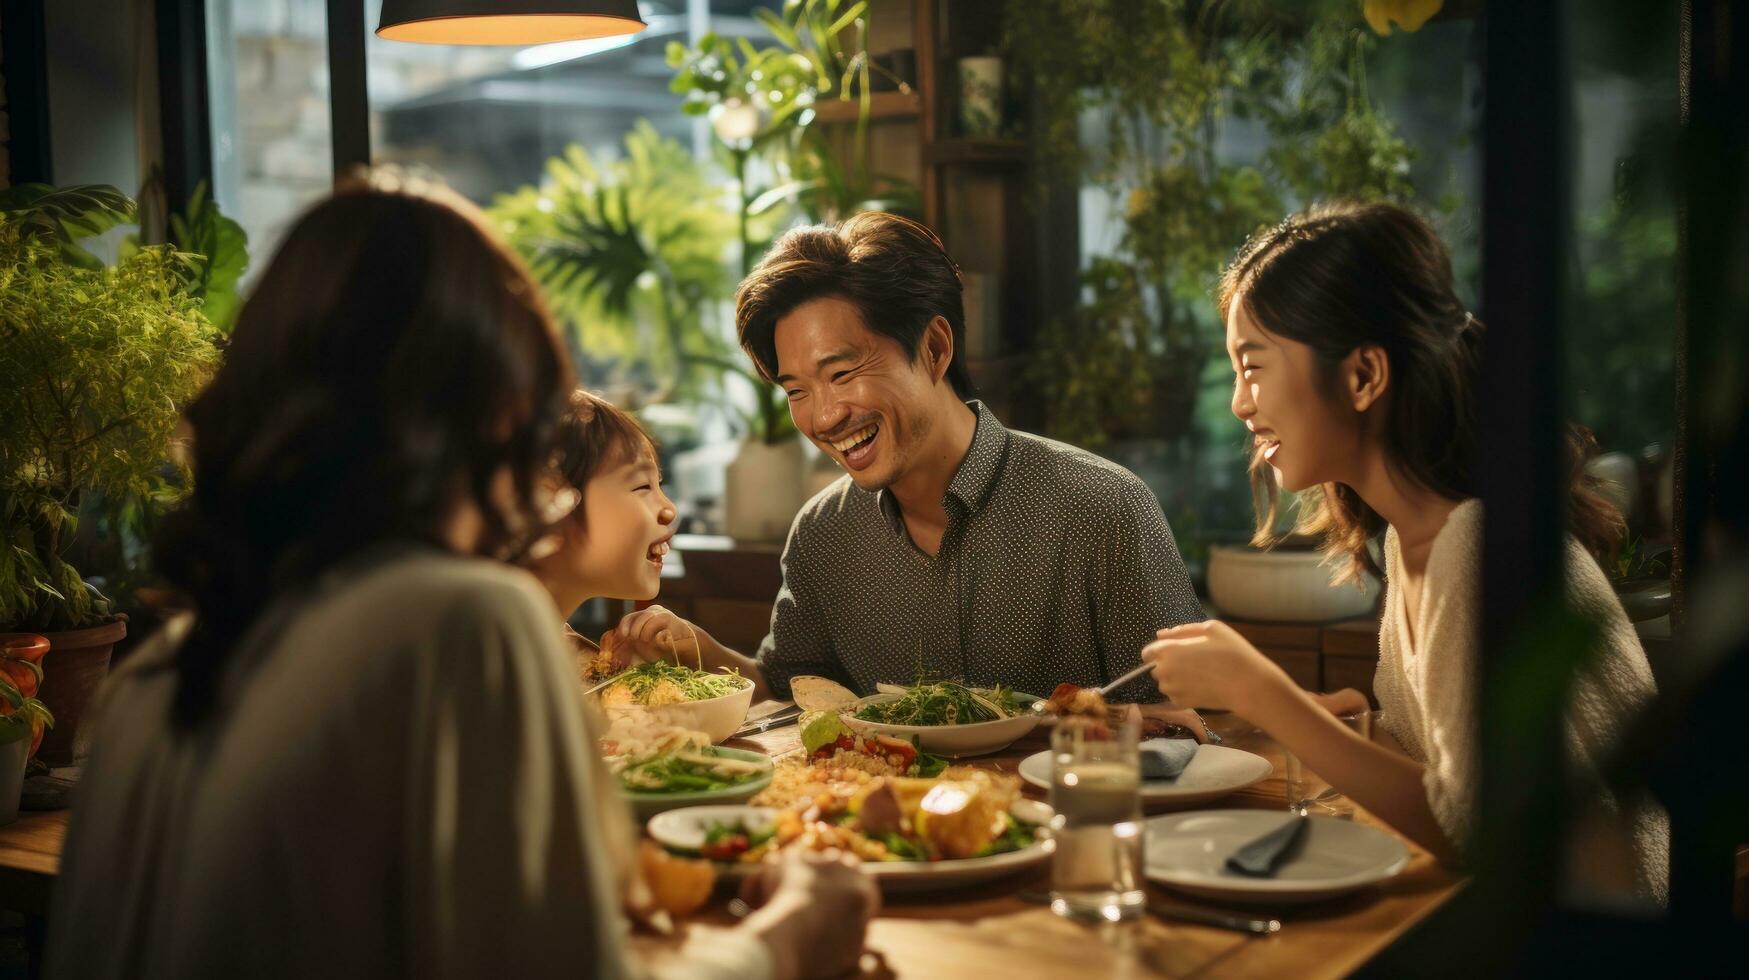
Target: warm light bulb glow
(510, 29)
(736, 121)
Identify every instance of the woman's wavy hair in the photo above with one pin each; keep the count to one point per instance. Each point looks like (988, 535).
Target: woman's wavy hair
(393, 361)
(1343, 275)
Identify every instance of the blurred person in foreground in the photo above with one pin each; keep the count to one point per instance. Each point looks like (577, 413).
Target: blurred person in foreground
(364, 754)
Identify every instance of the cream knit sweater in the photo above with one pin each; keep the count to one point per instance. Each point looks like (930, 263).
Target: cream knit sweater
(1426, 691)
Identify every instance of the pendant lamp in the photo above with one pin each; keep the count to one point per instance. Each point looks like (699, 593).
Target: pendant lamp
(506, 21)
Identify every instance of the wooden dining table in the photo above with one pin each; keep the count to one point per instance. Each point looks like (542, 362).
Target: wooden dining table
(989, 930)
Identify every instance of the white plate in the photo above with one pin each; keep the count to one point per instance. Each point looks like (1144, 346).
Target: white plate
(648, 804)
(684, 830)
(954, 741)
(1188, 851)
(1215, 771)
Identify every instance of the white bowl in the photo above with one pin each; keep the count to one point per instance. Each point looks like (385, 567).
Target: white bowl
(977, 738)
(1284, 587)
(716, 717)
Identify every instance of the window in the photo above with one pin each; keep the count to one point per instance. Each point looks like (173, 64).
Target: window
(272, 152)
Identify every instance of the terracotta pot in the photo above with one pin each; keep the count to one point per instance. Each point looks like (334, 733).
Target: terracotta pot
(31, 647)
(24, 646)
(71, 676)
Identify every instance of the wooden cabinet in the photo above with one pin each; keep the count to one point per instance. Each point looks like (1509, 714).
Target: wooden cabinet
(1320, 657)
(1294, 647)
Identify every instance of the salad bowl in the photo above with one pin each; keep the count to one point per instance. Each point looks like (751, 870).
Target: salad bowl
(953, 741)
(717, 717)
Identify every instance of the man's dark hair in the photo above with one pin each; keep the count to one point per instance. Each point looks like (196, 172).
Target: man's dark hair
(892, 269)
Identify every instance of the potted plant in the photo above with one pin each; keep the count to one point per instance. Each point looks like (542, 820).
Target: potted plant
(1641, 578)
(98, 361)
(1289, 581)
(23, 719)
(760, 103)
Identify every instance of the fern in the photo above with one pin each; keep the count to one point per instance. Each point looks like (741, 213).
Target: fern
(98, 362)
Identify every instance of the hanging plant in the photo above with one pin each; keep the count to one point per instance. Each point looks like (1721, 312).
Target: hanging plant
(1164, 76)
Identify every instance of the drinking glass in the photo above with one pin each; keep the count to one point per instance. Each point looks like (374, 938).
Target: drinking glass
(1308, 793)
(1096, 870)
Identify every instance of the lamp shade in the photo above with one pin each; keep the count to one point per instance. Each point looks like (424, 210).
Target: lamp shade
(506, 21)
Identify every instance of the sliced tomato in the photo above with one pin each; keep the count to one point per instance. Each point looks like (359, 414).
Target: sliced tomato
(726, 849)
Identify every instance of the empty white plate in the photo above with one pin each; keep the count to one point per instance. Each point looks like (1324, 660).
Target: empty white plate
(1214, 772)
(1188, 851)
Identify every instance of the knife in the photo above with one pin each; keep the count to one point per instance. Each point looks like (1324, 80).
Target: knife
(773, 720)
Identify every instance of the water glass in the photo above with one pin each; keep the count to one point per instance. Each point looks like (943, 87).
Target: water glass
(1308, 793)
(1096, 869)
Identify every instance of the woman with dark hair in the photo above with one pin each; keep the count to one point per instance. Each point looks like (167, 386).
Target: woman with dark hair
(364, 752)
(1355, 370)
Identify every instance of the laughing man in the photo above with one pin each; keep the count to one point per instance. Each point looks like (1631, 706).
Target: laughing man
(953, 547)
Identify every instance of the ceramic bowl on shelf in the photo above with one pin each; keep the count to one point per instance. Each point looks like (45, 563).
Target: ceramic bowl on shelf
(1284, 587)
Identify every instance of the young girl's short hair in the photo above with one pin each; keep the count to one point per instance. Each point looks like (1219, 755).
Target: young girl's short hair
(593, 436)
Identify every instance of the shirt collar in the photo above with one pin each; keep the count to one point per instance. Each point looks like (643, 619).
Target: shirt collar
(976, 476)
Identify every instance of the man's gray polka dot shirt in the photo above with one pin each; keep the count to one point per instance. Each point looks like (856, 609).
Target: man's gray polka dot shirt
(1056, 565)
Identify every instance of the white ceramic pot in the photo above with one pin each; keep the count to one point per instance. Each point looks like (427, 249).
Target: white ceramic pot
(762, 490)
(822, 474)
(1283, 587)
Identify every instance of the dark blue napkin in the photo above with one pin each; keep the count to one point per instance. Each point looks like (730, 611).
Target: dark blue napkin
(1261, 857)
(1165, 758)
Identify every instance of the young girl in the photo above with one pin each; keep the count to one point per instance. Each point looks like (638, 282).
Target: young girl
(613, 543)
(1356, 367)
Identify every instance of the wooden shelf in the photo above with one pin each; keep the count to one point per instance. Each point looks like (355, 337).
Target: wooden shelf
(881, 105)
(979, 151)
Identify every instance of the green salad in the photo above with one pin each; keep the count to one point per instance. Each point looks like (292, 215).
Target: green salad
(660, 683)
(687, 771)
(944, 703)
